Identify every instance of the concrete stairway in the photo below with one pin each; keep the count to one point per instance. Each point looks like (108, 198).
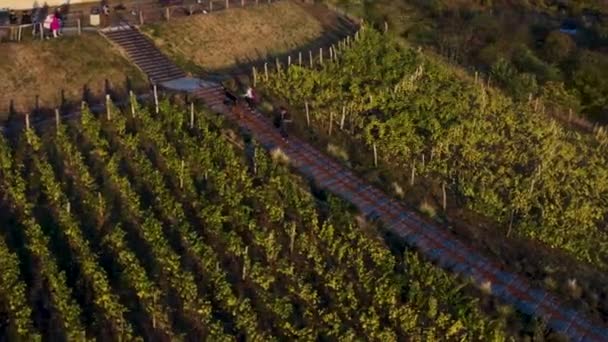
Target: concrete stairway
(143, 53)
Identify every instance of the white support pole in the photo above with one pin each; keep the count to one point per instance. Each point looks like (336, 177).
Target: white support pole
(108, 109)
(156, 99)
(191, 114)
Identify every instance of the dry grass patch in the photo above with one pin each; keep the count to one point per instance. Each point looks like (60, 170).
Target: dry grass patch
(220, 40)
(44, 68)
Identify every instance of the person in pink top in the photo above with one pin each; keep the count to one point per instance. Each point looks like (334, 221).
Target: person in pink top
(55, 26)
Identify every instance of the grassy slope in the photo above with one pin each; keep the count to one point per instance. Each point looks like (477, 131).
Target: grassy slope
(69, 63)
(220, 40)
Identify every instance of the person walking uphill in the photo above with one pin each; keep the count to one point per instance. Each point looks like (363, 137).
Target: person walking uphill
(284, 120)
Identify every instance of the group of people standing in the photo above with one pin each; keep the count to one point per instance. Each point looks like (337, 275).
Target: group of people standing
(53, 23)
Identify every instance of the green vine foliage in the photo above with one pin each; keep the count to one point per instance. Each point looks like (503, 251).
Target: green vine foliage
(177, 234)
(506, 160)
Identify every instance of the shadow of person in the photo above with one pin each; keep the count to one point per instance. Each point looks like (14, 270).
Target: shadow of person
(86, 93)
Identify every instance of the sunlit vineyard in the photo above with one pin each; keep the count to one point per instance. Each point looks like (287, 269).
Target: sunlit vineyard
(505, 160)
(140, 227)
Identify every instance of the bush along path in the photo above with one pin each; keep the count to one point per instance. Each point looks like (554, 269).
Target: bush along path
(431, 241)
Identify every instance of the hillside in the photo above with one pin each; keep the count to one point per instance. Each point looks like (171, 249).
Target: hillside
(552, 50)
(221, 40)
(67, 64)
(531, 194)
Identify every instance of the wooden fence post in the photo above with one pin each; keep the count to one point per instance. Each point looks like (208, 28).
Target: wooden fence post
(57, 119)
(331, 121)
(41, 32)
(210, 5)
(227, 4)
(27, 121)
(300, 58)
(385, 27)
(254, 75)
(266, 70)
(108, 110)
(343, 117)
(155, 98)
(307, 114)
(331, 54)
(79, 26)
(288, 61)
(191, 115)
(167, 13)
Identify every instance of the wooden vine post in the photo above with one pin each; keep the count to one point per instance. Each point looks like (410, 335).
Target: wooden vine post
(155, 99)
(445, 199)
(211, 6)
(254, 75)
(413, 176)
(343, 117)
(292, 237)
(310, 58)
(141, 17)
(331, 53)
(321, 55)
(307, 114)
(242, 3)
(108, 109)
(300, 58)
(27, 121)
(57, 119)
(276, 60)
(181, 175)
(191, 115)
(375, 154)
(331, 121)
(79, 26)
(168, 13)
(227, 4)
(288, 61)
(266, 70)
(132, 102)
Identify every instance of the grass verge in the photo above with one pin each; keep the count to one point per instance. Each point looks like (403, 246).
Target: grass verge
(217, 41)
(68, 64)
